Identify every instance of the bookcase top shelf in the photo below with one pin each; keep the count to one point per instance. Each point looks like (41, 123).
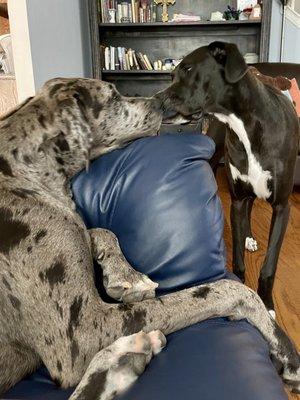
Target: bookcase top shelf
(134, 71)
(176, 24)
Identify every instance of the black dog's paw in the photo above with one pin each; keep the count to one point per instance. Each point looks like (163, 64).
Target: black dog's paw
(251, 244)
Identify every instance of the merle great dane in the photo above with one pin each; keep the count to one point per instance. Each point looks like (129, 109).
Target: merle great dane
(50, 310)
(261, 143)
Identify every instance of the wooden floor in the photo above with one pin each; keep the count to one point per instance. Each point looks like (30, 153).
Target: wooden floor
(287, 283)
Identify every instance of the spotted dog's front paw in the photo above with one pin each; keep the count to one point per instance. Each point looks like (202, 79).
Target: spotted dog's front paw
(292, 380)
(146, 343)
(129, 287)
(251, 244)
(118, 366)
(133, 353)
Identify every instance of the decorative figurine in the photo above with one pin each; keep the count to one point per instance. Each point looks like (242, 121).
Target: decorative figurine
(165, 4)
(256, 12)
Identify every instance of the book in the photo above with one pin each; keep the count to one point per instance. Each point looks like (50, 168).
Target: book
(148, 63)
(136, 64)
(136, 10)
(133, 19)
(127, 11)
(119, 13)
(112, 58)
(130, 58)
(127, 61)
(107, 58)
(141, 61)
(120, 58)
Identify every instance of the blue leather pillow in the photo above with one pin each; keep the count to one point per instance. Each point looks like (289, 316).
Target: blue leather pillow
(158, 195)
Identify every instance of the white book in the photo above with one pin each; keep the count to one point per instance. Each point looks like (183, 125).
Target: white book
(130, 13)
(107, 58)
(127, 61)
(149, 66)
(130, 57)
(124, 58)
(119, 13)
(133, 11)
(125, 12)
(119, 49)
(112, 58)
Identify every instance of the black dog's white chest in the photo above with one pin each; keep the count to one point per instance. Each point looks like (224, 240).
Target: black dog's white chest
(255, 176)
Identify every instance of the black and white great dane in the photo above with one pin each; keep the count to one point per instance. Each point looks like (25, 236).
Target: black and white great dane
(261, 143)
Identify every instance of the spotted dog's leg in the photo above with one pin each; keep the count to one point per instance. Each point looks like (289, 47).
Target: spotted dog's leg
(115, 368)
(222, 298)
(16, 361)
(120, 280)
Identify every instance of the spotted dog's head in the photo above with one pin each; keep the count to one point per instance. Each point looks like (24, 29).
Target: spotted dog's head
(203, 81)
(96, 111)
(75, 120)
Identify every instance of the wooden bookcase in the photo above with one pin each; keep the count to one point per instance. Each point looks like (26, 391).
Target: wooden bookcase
(172, 40)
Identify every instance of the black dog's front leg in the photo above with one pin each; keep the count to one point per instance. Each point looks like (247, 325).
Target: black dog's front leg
(241, 229)
(279, 223)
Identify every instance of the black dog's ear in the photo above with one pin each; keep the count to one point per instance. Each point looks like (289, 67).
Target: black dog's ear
(228, 55)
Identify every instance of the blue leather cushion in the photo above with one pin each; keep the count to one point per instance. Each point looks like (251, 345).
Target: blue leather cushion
(212, 360)
(158, 195)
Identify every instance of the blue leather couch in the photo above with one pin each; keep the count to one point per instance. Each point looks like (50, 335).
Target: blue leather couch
(159, 196)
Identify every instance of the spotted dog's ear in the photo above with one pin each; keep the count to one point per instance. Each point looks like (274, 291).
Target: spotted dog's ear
(73, 122)
(228, 55)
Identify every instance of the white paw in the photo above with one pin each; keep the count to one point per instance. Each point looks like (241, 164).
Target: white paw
(251, 244)
(273, 314)
(158, 341)
(151, 343)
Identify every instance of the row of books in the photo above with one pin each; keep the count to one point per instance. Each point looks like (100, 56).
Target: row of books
(127, 11)
(120, 58)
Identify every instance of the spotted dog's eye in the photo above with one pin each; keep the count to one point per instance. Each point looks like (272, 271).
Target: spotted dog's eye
(188, 69)
(76, 96)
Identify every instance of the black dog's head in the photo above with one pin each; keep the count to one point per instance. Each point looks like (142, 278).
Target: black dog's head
(203, 81)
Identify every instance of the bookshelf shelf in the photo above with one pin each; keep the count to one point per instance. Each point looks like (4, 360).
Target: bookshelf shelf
(134, 72)
(139, 75)
(176, 24)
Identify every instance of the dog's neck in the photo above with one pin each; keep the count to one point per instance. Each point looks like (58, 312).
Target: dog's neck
(246, 92)
(40, 157)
